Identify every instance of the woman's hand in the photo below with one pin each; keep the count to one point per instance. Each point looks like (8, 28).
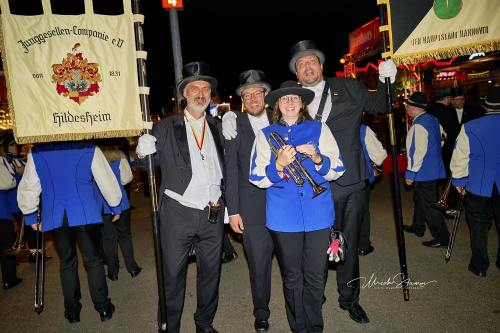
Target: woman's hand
(310, 151)
(286, 155)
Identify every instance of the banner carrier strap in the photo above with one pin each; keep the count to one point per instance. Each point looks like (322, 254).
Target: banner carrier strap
(147, 125)
(141, 55)
(89, 7)
(47, 8)
(139, 18)
(144, 90)
(383, 28)
(127, 7)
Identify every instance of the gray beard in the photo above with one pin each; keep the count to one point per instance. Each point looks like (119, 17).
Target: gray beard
(196, 108)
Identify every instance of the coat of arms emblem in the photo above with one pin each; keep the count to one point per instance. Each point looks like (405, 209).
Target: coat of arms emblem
(75, 77)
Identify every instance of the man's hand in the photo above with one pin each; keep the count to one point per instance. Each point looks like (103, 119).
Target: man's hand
(115, 218)
(409, 182)
(229, 130)
(387, 69)
(236, 223)
(146, 146)
(35, 226)
(310, 151)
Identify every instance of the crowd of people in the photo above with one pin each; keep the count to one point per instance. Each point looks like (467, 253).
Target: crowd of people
(292, 176)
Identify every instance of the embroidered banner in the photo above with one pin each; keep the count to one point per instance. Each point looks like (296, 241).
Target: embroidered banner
(426, 29)
(71, 77)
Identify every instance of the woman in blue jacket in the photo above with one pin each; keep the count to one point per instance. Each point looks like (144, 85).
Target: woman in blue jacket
(117, 232)
(299, 219)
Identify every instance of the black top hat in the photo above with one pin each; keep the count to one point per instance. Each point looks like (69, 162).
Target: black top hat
(417, 99)
(303, 48)
(289, 88)
(442, 93)
(252, 77)
(455, 92)
(492, 101)
(196, 71)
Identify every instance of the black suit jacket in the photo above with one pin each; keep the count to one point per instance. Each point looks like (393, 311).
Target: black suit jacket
(448, 119)
(242, 197)
(173, 156)
(349, 99)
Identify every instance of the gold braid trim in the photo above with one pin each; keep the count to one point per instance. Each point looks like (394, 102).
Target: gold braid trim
(446, 53)
(77, 136)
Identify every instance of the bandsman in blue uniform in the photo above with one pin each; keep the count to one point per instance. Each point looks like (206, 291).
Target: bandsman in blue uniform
(60, 179)
(299, 222)
(7, 236)
(425, 169)
(375, 155)
(475, 168)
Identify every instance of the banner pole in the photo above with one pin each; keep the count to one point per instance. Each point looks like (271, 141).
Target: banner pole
(398, 211)
(141, 71)
(177, 52)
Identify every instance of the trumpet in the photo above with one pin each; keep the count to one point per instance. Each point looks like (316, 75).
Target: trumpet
(295, 169)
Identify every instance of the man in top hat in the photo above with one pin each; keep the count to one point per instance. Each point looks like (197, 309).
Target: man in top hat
(425, 168)
(246, 203)
(187, 147)
(339, 102)
(452, 117)
(475, 168)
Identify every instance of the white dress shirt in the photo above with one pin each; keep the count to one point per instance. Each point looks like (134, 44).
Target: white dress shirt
(313, 107)
(206, 172)
(258, 122)
(460, 113)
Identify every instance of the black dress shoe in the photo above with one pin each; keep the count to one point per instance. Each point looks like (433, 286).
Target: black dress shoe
(12, 284)
(72, 317)
(112, 277)
(108, 313)
(261, 325)
(136, 272)
(228, 257)
(434, 243)
(208, 329)
(356, 313)
(476, 271)
(410, 229)
(366, 252)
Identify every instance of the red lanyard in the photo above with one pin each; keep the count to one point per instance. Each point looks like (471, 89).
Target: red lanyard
(201, 141)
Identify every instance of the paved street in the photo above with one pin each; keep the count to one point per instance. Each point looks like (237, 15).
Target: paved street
(444, 297)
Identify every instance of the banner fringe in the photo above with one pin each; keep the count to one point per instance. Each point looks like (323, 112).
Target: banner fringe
(446, 53)
(77, 136)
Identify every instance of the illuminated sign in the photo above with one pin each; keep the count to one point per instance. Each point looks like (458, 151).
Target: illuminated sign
(172, 4)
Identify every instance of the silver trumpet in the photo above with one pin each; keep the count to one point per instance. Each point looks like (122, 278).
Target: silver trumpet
(295, 169)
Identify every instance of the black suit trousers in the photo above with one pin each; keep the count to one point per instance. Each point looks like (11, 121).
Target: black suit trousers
(259, 248)
(481, 211)
(180, 228)
(426, 193)
(7, 239)
(114, 234)
(303, 260)
(349, 203)
(88, 239)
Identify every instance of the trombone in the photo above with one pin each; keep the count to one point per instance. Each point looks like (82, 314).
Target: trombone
(454, 229)
(295, 169)
(442, 203)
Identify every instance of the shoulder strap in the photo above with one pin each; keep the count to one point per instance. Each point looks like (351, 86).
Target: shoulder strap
(322, 103)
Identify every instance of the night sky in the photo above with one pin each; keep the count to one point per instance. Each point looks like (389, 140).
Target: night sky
(233, 36)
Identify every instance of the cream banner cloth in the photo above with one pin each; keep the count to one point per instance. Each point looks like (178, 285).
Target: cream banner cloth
(71, 77)
(427, 29)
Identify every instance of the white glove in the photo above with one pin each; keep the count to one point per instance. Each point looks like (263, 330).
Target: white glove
(387, 69)
(229, 125)
(146, 145)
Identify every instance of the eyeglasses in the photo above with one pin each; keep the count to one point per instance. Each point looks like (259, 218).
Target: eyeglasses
(256, 95)
(290, 99)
